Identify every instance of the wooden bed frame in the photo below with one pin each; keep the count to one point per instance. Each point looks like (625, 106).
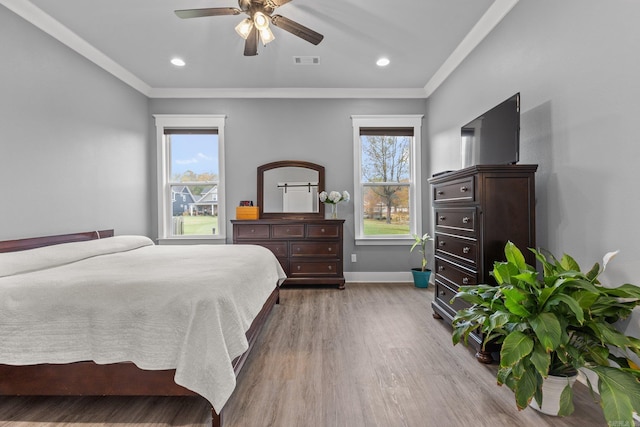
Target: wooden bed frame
(117, 379)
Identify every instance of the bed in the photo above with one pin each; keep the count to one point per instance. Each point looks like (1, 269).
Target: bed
(96, 314)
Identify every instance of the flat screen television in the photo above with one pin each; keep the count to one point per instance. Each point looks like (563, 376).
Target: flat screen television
(493, 138)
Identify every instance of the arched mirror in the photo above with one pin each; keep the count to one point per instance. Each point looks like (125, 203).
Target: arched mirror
(289, 189)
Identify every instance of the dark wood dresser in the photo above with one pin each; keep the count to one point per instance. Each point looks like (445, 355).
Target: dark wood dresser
(477, 210)
(309, 250)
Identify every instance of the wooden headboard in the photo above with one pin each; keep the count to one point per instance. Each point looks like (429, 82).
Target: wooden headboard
(38, 242)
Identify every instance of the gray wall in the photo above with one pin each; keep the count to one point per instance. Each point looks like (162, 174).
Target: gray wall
(260, 131)
(78, 147)
(74, 142)
(575, 63)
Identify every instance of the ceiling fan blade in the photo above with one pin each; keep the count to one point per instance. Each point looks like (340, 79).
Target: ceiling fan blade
(297, 29)
(212, 11)
(251, 45)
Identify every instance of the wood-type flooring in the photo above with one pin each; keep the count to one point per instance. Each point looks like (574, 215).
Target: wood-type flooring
(371, 355)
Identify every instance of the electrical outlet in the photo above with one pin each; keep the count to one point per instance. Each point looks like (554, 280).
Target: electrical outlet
(354, 258)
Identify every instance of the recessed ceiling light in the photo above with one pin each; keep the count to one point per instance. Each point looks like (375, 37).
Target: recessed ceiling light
(178, 62)
(383, 62)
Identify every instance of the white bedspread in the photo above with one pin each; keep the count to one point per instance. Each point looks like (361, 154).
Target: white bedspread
(124, 299)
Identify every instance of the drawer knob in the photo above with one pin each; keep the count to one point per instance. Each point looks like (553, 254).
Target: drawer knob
(253, 230)
(463, 189)
(466, 249)
(442, 218)
(441, 268)
(465, 220)
(329, 249)
(298, 249)
(442, 293)
(440, 192)
(298, 268)
(330, 268)
(465, 280)
(441, 243)
(322, 230)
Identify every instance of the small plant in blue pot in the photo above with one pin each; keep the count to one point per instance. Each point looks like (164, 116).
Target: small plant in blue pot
(421, 275)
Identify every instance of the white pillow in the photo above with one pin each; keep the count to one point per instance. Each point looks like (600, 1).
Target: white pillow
(52, 256)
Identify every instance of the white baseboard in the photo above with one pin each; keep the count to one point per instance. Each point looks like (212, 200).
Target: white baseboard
(380, 276)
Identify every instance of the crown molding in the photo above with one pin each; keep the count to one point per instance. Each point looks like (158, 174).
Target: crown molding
(288, 93)
(37, 17)
(492, 17)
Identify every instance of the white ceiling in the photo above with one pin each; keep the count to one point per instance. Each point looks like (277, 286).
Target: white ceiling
(136, 39)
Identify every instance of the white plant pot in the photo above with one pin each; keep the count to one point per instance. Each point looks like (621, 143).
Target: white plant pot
(551, 390)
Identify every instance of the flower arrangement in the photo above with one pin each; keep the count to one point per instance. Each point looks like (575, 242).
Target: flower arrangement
(333, 198)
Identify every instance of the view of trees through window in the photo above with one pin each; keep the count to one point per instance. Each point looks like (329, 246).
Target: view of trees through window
(193, 181)
(386, 178)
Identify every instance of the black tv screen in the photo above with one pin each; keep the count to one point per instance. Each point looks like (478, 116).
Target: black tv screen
(493, 138)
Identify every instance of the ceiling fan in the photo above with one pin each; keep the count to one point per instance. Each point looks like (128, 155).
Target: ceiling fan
(257, 24)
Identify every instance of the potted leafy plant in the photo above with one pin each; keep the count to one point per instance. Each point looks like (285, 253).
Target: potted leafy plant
(421, 275)
(554, 325)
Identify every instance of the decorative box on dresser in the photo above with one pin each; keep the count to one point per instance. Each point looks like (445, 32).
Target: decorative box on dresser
(477, 210)
(309, 250)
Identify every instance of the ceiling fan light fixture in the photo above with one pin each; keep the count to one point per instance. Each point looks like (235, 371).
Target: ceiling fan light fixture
(256, 27)
(244, 28)
(261, 21)
(266, 36)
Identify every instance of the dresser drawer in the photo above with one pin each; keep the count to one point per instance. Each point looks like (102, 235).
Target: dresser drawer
(279, 249)
(315, 249)
(309, 250)
(445, 294)
(324, 230)
(454, 275)
(457, 219)
(455, 191)
(287, 231)
(252, 231)
(313, 268)
(463, 249)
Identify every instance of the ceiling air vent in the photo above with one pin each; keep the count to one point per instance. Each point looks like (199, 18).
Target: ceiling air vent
(306, 60)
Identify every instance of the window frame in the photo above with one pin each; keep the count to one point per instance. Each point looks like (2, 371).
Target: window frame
(415, 200)
(164, 208)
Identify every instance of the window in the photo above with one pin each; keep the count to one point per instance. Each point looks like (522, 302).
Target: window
(190, 177)
(387, 178)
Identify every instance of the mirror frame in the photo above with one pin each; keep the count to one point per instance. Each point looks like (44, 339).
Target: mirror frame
(290, 215)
